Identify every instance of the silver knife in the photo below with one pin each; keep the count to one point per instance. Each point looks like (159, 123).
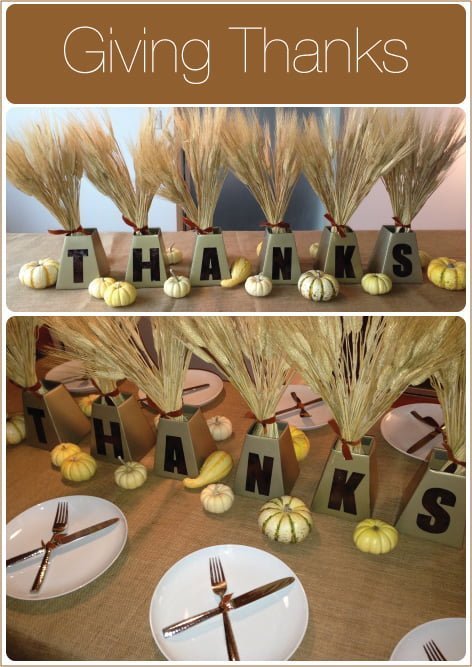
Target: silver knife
(234, 603)
(60, 540)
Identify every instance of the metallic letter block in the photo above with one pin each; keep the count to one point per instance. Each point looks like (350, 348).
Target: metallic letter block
(396, 254)
(209, 262)
(339, 256)
(146, 266)
(82, 259)
(279, 258)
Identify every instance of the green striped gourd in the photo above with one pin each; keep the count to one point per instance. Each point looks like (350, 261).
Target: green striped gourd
(318, 286)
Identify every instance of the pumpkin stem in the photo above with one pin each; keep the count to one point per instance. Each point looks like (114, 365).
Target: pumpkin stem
(173, 274)
(171, 246)
(287, 508)
(123, 462)
(450, 265)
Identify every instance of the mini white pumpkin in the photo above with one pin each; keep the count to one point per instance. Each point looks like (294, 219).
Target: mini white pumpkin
(120, 294)
(39, 274)
(217, 498)
(259, 285)
(177, 286)
(376, 283)
(220, 428)
(313, 250)
(130, 475)
(98, 287)
(318, 286)
(15, 429)
(286, 519)
(173, 255)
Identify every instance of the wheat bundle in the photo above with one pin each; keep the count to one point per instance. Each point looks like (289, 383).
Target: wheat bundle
(343, 159)
(360, 366)
(45, 163)
(196, 135)
(437, 140)
(21, 337)
(80, 342)
(450, 384)
(268, 164)
(105, 166)
(241, 349)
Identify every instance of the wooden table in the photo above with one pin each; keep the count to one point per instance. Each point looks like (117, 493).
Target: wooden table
(423, 297)
(360, 605)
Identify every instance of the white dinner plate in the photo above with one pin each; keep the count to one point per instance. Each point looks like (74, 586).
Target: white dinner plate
(401, 430)
(448, 633)
(73, 565)
(320, 414)
(199, 397)
(269, 629)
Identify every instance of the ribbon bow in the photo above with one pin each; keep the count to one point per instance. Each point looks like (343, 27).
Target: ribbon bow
(142, 230)
(399, 223)
(450, 453)
(264, 422)
(194, 226)
(339, 228)
(34, 388)
(279, 225)
(346, 444)
(78, 230)
(148, 402)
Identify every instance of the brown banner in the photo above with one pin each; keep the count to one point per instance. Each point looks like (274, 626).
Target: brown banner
(236, 54)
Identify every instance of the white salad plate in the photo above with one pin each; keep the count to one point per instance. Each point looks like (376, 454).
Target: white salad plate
(319, 412)
(271, 628)
(72, 566)
(401, 430)
(449, 634)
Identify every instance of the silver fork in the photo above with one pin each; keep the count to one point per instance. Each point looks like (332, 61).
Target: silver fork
(219, 586)
(59, 526)
(433, 652)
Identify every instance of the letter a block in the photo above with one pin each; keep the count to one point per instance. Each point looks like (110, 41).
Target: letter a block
(209, 262)
(347, 487)
(396, 255)
(182, 446)
(267, 466)
(436, 505)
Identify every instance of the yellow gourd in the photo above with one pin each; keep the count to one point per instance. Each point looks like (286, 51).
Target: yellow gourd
(130, 475)
(62, 451)
(79, 467)
(98, 287)
(424, 259)
(301, 444)
(85, 403)
(286, 519)
(15, 430)
(259, 248)
(40, 274)
(376, 283)
(447, 273)
(240, 270)
(217, 498)
(120, 294)
(216, 467)
(373, 536)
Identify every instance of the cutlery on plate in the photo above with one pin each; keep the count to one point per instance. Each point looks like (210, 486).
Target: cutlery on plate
(59, 525)
(299, 406)
(232, 603)
(187, 390)
(429, 421)
(219, 587)
(59, 540)
(433, 651)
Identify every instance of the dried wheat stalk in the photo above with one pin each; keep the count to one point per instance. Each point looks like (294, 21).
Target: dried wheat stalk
(437, 141)
(450, 384)
(45, 164)
(21, 337)
(81, 343)
(269, 165)
(240, 348)
(105, 165)
(197, 134)
(343, 160)
(360, 366)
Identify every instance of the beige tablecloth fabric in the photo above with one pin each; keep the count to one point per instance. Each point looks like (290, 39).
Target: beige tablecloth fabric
(360, 605)
(425, 297)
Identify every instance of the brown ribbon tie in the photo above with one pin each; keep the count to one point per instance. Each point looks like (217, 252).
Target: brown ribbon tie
(194, 226)
(149, 403)
(399, 223)
(142, 230)
(450, 453)
(339, 228)
(34, 388)
(280, 225)
(264, 422)
(346, 444)
(65, 232)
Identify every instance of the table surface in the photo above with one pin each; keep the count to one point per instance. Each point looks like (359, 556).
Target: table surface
(423, 297)
(360, 605)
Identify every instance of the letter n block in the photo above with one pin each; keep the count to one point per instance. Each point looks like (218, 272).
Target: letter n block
(347, 487)
(435, 506)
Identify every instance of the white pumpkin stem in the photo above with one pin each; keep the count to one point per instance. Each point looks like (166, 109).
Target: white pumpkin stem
(125, 463)
(174, 275)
